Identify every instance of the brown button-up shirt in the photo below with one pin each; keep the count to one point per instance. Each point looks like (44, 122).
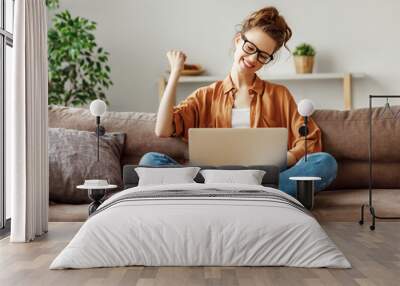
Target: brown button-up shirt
(271, 105)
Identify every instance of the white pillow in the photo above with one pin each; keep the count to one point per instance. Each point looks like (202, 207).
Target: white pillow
(163, 176)
(249, 177)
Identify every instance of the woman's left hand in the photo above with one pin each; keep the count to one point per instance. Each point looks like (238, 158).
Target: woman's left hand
(291, 159)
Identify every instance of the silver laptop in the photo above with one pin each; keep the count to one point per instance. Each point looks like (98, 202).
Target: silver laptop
(238, 146)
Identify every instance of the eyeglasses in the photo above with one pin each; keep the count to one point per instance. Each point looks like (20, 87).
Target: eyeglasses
(250, 49)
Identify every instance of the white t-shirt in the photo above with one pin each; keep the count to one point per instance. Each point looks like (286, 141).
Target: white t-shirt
(240, 117)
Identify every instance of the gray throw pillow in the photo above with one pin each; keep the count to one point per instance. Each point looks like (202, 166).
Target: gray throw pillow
(73, 159)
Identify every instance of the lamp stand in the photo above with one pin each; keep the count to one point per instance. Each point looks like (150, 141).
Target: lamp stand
(303, 130)
(100, 131)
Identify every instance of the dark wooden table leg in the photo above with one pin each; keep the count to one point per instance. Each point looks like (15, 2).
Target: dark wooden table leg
(305, 193)
(96, 196)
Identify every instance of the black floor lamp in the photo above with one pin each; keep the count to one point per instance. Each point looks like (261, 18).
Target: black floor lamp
(306, 109)
(98, 108)
(305, 184)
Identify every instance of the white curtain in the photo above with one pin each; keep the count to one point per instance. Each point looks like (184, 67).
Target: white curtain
(26, 118)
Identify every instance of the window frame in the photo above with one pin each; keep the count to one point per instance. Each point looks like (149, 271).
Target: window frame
(6, 39)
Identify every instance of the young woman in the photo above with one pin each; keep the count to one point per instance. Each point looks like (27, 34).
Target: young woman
(242, 99)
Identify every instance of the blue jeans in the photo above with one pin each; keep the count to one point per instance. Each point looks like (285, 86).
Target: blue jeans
(318, 164)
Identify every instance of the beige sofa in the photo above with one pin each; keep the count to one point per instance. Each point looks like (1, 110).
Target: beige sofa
(344, 135)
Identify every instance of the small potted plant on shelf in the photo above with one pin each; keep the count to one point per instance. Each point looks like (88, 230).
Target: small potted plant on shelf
(304, 58)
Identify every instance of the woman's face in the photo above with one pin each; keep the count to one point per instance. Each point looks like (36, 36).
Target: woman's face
(257, 39)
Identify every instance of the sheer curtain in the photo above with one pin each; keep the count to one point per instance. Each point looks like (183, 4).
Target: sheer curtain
(26, 118)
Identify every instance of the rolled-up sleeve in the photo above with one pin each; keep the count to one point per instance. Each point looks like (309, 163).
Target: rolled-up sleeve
(186, 115)
(296, 141)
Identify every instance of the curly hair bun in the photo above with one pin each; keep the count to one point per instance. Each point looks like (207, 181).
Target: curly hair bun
(271, 22)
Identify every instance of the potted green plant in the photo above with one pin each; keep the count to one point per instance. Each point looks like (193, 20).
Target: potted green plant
(304, 58)
(78, 68)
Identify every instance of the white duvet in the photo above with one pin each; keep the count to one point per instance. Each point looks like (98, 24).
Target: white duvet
(200, 231)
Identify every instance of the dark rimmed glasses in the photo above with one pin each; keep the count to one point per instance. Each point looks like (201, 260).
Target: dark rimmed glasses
(250, 49)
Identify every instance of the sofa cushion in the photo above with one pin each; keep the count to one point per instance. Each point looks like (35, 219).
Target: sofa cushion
(73, 158)
(345, 134)
(138, 126)
(354, 174)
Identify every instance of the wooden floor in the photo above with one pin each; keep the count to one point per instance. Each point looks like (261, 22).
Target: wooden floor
(375, 257)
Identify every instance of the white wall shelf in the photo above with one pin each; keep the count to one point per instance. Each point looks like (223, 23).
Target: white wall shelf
(345, 77)
(311, 76)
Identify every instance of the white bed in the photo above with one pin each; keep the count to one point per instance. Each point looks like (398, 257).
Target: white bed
(206, 230)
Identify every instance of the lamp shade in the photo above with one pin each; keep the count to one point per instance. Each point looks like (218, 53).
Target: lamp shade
(305, 107)
(98, 107)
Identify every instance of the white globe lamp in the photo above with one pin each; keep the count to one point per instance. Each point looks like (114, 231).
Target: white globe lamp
(306, 107)
(98, 107)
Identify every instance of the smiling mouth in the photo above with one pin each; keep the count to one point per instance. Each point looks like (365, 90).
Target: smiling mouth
(247, 65)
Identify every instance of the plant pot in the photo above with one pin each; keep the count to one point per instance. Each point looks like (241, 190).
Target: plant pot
(304, 64)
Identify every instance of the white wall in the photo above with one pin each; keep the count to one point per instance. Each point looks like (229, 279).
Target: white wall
(350, 36)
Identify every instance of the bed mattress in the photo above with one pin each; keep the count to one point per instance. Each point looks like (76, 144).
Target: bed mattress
(201, 225)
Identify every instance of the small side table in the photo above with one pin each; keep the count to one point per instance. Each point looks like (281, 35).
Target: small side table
(305, 190)
(96, 194)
